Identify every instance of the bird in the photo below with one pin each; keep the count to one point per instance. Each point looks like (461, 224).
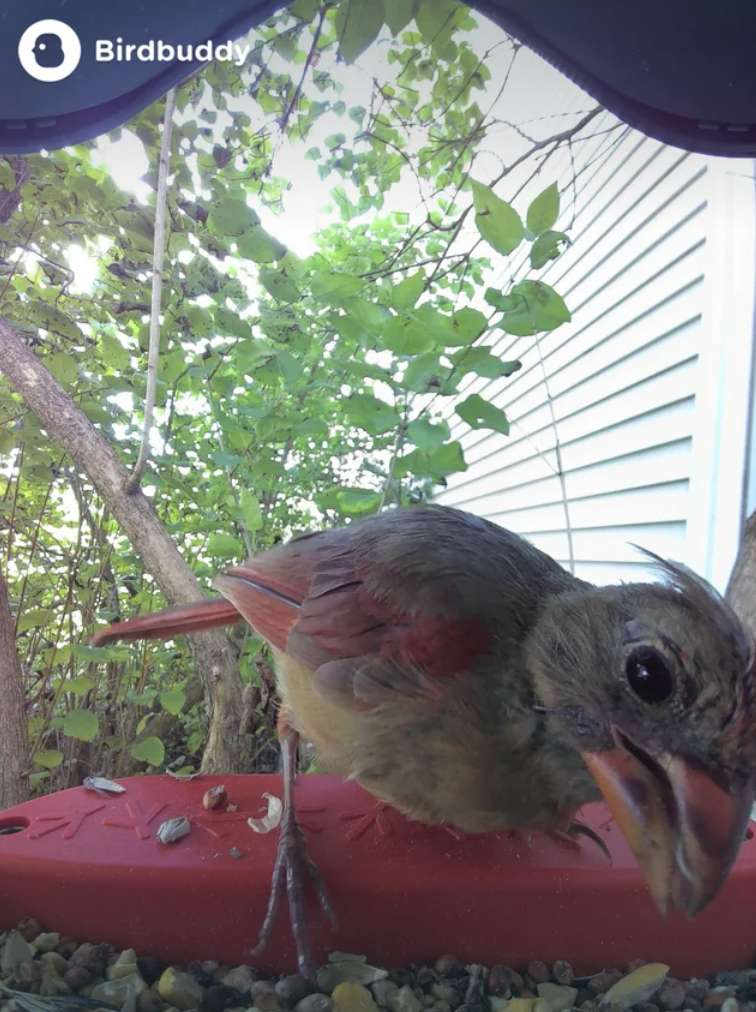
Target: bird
(464, 677)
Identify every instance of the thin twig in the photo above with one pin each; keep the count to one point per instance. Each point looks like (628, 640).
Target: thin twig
(161, 201)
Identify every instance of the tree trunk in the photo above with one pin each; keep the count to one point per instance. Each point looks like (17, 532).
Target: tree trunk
(14, 738)
(741, 589)
(227, 748)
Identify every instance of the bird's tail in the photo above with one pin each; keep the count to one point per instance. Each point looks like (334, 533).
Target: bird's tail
(164, 625)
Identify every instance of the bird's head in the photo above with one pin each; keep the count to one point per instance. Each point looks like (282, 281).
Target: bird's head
(654, 685)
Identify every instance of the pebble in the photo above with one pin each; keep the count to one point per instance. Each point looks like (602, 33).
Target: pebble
(381, 990)
(67, 946)
(150, 1001)
(16, 950)
(218, 998)
(54, 966)
(314, 1003)
(636, 987)
(601, 983)
(449, 966)
(46, 941)
(558, 996)
(562, 972)
(30, 972)
(521, 1005)
(348, 997)
(671, 995)
(179, 989)
(241, 979)
(293, 989)
(118, 992)
(446, 992)
(124, 965)
(54, 961)
(538, 971)
(502, 979)
(28, 928)
(403, 1000)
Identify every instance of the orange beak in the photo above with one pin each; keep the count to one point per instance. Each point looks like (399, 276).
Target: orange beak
(684, 825)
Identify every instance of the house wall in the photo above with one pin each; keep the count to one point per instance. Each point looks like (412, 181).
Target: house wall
(631, 423)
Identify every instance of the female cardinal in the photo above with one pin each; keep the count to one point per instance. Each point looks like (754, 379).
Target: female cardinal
(462, 676)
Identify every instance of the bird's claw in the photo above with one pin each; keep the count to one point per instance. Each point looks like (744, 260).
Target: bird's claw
(293, 867)
(577, 829)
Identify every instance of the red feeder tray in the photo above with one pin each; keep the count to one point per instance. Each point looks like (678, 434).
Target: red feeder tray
(91, 866)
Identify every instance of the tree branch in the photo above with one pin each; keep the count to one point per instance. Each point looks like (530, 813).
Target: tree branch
(14, 738)
(93, 455)
(158, 256)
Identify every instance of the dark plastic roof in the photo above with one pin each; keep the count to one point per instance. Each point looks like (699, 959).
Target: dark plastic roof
(682, 71)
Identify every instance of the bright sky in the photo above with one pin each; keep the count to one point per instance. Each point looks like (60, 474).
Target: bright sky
(535, 95)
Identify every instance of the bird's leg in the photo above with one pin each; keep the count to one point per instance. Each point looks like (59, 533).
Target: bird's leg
(293, 864)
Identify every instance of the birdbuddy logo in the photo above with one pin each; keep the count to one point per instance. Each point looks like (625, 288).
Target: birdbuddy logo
(49, 50)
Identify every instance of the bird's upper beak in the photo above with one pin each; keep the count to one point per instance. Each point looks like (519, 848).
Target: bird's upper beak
(683, 823)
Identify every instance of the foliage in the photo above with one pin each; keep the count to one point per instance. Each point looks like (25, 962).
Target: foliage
(293, 392)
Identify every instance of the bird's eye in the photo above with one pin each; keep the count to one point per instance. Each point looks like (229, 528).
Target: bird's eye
(648, 675)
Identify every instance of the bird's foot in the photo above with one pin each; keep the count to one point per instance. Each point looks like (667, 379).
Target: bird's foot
(292, 869)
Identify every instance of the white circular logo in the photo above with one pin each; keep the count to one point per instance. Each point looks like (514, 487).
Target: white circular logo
(49, 50)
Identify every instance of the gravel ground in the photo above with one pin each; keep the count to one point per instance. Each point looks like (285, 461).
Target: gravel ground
(43, 971)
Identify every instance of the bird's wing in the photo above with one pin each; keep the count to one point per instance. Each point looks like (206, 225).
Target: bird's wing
(325, 605)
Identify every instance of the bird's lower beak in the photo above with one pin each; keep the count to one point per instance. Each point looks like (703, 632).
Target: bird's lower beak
(683, 824)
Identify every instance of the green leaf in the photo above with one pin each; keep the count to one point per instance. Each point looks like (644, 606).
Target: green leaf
(279, 285)
(479, 414)
(421, 371)
(358, 23)
(81, 724)
(497, 221)
(358, 500)
(62, 367)
(260, 246)
(304, 9)
(114, 355)
(226, 546)
(537, 307)
(173, 701)
(7, 176)
(406, 335)
(399, 13)
(544, 210)
(50, 758)
(407, 292)
(222, 458)
(34, 618)
(467, 326)
(78, 686)
(151, 751)
(334, 289)
(370, 413)
(437, 19)
(547, 247)
(86, 653)
(482, 362)
(370, 316)
(426, 436)
(231, 216)
(251, 510)
(447, 460)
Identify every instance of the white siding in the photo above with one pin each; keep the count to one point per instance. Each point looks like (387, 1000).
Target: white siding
(620, 389)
